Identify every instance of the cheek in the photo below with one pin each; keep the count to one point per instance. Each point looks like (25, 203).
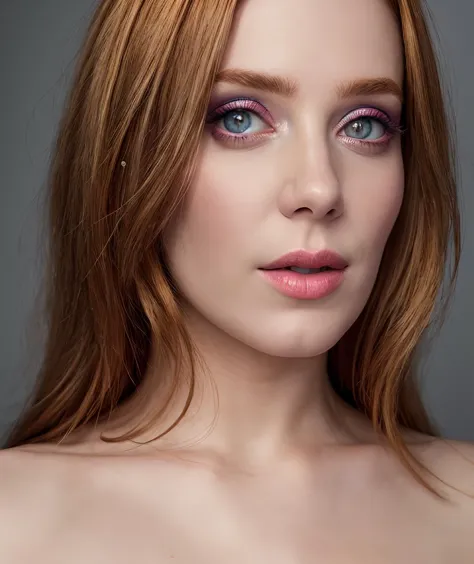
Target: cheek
(377, 206)
(212, 222)
(222, 206)
(210, 226)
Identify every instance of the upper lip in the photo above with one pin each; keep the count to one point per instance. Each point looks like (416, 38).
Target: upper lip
(307, 259)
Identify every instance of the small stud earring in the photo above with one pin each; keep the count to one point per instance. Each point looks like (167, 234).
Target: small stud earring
(123, 164)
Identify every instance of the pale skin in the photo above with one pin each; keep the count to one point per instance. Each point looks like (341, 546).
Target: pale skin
(286, 472)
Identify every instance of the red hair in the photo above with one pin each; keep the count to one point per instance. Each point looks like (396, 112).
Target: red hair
(141, 89)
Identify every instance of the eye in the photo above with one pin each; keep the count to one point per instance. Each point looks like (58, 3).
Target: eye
(241, 121)
(369, 128)
(365, 129)
(246, 122)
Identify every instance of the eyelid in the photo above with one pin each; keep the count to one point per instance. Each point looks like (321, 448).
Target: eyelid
(261, 112)
(254, 105)
(371, 112)
(243, 103)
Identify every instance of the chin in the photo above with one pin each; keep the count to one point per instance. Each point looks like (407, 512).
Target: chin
(280, 329)
(290, 339)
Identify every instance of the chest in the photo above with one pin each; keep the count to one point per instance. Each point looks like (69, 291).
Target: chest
(214, 542)
(258, 524)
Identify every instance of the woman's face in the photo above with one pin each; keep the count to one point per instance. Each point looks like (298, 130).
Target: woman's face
(315, 167)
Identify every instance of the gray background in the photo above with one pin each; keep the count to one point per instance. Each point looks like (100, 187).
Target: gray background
(39, 42)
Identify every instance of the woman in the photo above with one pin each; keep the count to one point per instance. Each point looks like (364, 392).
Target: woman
(208, 393)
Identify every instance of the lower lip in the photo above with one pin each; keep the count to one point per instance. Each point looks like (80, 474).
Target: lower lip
(304, 286)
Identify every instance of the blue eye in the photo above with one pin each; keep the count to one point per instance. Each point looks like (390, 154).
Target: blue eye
(240, 119)
(362, 128)
(246, 122)
(237, 121)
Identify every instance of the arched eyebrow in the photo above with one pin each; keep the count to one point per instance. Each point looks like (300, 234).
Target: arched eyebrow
(284, 86)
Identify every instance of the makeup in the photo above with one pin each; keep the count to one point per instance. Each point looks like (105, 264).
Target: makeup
(312, 286)
(373, 128)
(306, 275)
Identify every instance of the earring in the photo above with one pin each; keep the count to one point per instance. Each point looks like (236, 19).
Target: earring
(123, 164)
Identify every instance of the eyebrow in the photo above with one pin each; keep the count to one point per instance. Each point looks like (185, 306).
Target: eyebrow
(287, 87)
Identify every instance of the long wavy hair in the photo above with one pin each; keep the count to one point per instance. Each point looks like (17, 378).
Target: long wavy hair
(141, 89)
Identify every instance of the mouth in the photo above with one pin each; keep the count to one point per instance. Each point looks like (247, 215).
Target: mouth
(303, 270)
(306, 275)
(306, 262)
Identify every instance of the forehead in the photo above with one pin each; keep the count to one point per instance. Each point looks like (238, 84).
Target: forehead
(317, 42)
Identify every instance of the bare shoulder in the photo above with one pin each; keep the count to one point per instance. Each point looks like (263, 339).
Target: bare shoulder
(32, 500)
(451, 460)
(453, 463)
(105, 503)
(22, 479)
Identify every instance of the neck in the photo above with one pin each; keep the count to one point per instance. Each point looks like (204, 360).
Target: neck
(247, 406)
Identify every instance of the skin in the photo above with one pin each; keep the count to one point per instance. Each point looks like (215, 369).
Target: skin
(286, 472)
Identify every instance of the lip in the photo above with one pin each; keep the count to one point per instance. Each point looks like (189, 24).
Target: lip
(307, 259)
(311, 286)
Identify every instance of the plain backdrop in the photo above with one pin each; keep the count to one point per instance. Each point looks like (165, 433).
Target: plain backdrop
(39, 43)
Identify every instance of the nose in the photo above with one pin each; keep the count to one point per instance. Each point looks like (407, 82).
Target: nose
(312, 186)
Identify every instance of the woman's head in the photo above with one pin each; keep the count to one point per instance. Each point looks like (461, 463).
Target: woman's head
(192, 217)
(316, 166)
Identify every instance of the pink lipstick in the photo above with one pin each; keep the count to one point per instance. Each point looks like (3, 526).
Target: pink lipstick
(306, 275)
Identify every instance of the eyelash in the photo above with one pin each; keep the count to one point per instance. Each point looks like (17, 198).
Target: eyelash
(252, 106)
